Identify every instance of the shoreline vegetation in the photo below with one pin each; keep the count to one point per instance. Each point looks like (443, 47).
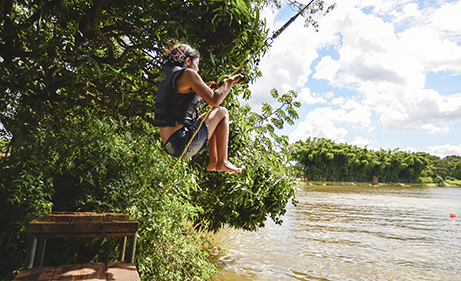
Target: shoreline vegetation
(448, 183)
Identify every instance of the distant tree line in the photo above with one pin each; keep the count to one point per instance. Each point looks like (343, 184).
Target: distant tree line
(322, 159)
(446, 167)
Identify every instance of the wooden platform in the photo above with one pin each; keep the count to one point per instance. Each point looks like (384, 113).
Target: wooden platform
(65, 225)
(82, 225)
(95, 272)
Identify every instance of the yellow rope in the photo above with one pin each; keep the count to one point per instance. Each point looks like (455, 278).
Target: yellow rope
(191, 139)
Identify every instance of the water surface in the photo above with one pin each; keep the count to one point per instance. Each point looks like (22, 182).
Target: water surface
(353, 233)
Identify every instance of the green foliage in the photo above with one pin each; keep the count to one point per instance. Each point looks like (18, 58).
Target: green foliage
(456, 171)
(444, 166)
(4, 145)
(453, 182)
(103, 165)
(438, 180)
(426, 180)
(77, 89)
(263, 188)
(324, 159)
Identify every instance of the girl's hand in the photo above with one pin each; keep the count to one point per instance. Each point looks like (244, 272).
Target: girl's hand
(235, 80)
(212, 85)
(238, 79)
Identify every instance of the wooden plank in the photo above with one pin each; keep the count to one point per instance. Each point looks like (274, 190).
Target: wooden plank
(47, 273)
(115, 271)
(67, 272)
(35, 274)
(120, 223)
(50, 224)
(82, 224)
(88, 225)
(93, 272)
(64, 225)
(122, 271)
(28, 274)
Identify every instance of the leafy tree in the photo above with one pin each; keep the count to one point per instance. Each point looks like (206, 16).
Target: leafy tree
(438, 180)
(444, 166)
(4, 143)
(77, 89)
(325, 160)
(456, 171)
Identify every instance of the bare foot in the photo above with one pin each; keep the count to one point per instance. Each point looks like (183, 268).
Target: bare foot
(228, 167)
(212, 165)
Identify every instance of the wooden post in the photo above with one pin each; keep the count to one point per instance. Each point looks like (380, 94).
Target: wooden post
(131, 249)
(41, 251)
(30, 254)
(122, 249)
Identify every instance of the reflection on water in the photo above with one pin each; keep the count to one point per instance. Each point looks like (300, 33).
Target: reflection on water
(353, 233)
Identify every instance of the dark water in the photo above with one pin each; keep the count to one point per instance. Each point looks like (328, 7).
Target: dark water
(353, 233)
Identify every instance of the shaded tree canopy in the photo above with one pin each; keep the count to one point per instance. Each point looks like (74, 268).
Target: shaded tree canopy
(107, 54)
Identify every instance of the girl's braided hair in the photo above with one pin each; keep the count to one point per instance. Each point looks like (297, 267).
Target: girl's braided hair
(177, 55)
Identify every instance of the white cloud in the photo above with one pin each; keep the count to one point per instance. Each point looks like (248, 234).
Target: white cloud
(409, 12)
(360, 142)
(388, 70)
(326, 69)
(432, 107)
(409, 149)
(311, 98)
(375, 66)
(383, 6)
(287, 63)
(318, 123)
(357, 113)
(339, 101)
(329, 95)
(433, 52)
(447, 17)
(422, 110)
(444, 150)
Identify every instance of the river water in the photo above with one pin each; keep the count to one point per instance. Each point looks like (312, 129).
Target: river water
(352, 233)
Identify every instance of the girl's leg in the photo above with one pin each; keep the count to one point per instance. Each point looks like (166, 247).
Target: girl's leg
(213, 153)
(218, 132)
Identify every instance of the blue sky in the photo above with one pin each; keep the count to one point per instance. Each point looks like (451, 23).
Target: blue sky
(382, 74)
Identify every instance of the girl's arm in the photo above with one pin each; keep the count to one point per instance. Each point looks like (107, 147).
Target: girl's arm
(192, 81)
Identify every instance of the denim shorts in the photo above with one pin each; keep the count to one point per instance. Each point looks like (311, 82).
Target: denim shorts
(179, 139)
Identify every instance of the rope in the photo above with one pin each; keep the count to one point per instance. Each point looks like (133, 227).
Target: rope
(191, 139)
(277, 33)
(267, 42)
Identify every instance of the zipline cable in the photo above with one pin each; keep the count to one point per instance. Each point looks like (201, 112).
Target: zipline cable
(267, 42)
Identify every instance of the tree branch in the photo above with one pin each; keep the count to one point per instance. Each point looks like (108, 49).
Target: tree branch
(274, 112)
(48, 5)
(104, 38)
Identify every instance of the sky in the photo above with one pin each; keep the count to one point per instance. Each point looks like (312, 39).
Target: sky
(381, 74)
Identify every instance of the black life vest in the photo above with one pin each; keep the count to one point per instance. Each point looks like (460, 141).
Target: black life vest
(172, 107)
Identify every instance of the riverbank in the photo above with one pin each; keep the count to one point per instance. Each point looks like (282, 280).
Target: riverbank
(455, 183)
